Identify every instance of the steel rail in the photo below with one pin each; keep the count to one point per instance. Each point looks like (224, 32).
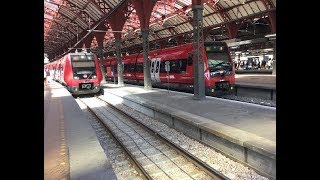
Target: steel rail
(139, 168)
(199, 163)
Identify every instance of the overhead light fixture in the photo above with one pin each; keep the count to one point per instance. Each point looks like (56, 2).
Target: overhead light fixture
(268, 49)
(270, 35)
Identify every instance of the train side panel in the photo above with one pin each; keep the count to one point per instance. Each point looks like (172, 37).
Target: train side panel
(181, 72)
(218, 67)
(68, 74)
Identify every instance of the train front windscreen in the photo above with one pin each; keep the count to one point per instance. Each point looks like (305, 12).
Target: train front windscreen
(218, 60)
(83, 66)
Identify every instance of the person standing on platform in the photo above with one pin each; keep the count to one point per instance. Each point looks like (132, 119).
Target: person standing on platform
(45, 77)
(269, 63)
(263, 64)
(48, 75)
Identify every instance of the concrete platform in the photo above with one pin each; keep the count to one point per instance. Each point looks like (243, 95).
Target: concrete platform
(263, 80)
(242, 131)
(71, 148)
(254, 71)
(261, 86)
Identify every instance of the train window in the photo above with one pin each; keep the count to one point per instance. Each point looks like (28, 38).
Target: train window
(81, 57)
(130, 68)
(157, 67)
(139, 68)
(114, 68)
(83, 64)
(152, 65)
(176, 66)
(190, 60)
(215, 48)
(125, 68)
(183, 65)
(218, 58)
(162, 67)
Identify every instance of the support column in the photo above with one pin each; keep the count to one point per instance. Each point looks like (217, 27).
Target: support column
(233, 30)
(272, 19)
(88, 41)
(179, 40)
(162, 44)
(120, 67)
(274, 62)
(146, 60)
(198, 48)
(100, 37)
(144, 10)
(103, 70)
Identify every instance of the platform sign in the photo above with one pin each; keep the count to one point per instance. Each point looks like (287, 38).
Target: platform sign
(167, 66)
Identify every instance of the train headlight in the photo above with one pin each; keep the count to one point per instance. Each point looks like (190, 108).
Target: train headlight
(93, 77)
(75, 77)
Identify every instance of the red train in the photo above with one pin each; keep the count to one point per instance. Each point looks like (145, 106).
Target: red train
(219, 73)
(79, 72)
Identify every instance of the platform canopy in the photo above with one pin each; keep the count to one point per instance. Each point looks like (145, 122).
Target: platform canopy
(68, 23)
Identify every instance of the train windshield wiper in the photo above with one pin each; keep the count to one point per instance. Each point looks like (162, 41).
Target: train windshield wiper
(215, 67)
(222, 63)
(90, 75)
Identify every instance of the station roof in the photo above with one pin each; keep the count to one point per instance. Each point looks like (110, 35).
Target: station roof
(66, 22)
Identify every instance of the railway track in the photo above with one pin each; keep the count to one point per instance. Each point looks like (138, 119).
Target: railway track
(156, 156)
(122, 164)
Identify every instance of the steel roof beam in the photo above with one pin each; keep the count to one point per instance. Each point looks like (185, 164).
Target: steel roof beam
(272, 19)
(208, 27)
(117, 21)
(102, 20)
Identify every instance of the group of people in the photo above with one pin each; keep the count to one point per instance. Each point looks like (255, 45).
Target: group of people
(253, 64)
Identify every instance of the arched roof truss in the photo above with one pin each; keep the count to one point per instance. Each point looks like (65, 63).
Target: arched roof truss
(65, 20)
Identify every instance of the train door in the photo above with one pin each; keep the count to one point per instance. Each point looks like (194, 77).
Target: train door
(155, 69)
(153, 60)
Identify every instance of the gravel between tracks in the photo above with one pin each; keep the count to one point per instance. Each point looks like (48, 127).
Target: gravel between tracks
(265, 102)
(228, 167)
